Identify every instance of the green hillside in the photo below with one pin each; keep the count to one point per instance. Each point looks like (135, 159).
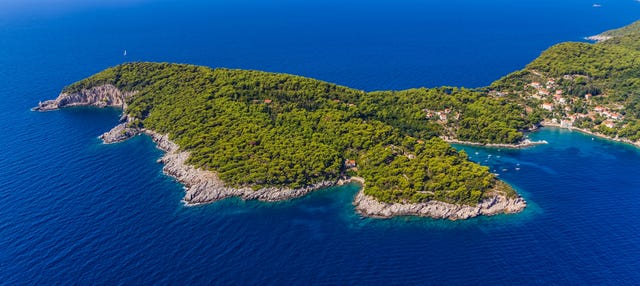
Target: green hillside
(595, 87)
(266, 129)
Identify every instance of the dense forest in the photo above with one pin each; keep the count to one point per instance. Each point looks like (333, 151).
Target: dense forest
(266, 129)
(461, 114)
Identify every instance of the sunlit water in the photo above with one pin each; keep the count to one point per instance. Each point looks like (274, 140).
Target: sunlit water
(75, 210)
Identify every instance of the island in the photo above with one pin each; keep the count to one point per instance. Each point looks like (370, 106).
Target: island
(272, 136)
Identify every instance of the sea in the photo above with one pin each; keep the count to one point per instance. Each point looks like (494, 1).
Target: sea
(76, 211)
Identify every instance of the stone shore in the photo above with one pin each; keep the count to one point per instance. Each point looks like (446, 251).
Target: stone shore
(204, 186)
(497, 204)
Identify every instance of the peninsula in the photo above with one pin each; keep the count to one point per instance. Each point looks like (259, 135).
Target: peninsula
(269, 136)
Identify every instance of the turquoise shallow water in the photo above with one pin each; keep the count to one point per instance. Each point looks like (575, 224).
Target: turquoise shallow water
(75, 210)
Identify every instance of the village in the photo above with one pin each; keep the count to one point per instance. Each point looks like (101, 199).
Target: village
(442, 115)
(554, 101)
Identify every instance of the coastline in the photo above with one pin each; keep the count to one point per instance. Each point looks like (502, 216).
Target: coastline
(589, 132)
(368, 206)
(523, 144)
(203, 186)
(497, 204)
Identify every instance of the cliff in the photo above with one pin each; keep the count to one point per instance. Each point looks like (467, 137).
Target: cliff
(99, 96)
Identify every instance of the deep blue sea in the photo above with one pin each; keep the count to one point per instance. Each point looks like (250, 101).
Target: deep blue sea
(75, 211)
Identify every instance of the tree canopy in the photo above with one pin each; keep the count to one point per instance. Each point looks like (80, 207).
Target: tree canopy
(268, 129)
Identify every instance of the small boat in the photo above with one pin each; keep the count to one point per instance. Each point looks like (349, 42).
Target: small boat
(125, 53)
(517, 169)
(597, 5)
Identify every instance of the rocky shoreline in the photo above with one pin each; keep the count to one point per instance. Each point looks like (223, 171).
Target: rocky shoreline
(496, 204)
(203, 186)
(119, 133)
